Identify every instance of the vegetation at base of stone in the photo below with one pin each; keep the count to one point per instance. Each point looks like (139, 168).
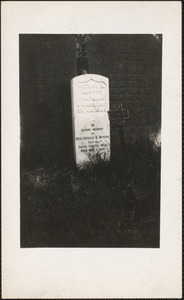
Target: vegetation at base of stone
(106, 204)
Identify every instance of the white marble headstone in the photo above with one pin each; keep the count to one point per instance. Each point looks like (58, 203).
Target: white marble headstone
(91, 128)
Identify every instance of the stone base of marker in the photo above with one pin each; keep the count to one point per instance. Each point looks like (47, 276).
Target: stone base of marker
(91, 127)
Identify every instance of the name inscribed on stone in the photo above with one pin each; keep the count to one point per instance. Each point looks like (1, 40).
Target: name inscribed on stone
(91, 128)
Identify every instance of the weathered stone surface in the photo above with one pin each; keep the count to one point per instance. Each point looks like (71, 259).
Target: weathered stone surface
(91, 129)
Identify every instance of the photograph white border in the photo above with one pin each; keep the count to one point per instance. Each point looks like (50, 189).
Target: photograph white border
(93, 272)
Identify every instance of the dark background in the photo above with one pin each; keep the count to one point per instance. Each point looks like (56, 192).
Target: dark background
(115, 204)
(48, 63)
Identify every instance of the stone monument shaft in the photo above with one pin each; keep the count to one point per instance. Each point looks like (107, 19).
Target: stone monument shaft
(91, 128)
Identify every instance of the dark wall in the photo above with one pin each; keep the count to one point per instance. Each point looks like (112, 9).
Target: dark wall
(48, 63)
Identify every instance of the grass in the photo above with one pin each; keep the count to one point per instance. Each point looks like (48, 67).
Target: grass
(106, 204)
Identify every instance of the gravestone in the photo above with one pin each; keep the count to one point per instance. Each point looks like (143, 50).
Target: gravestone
(91, 128)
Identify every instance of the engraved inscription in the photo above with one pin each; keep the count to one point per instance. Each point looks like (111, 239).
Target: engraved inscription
(91, 97)
(91, 129)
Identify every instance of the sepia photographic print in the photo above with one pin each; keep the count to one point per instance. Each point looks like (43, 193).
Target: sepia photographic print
(105, 190)
(91, 150)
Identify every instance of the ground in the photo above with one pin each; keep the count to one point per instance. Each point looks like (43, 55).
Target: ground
(107, 204)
